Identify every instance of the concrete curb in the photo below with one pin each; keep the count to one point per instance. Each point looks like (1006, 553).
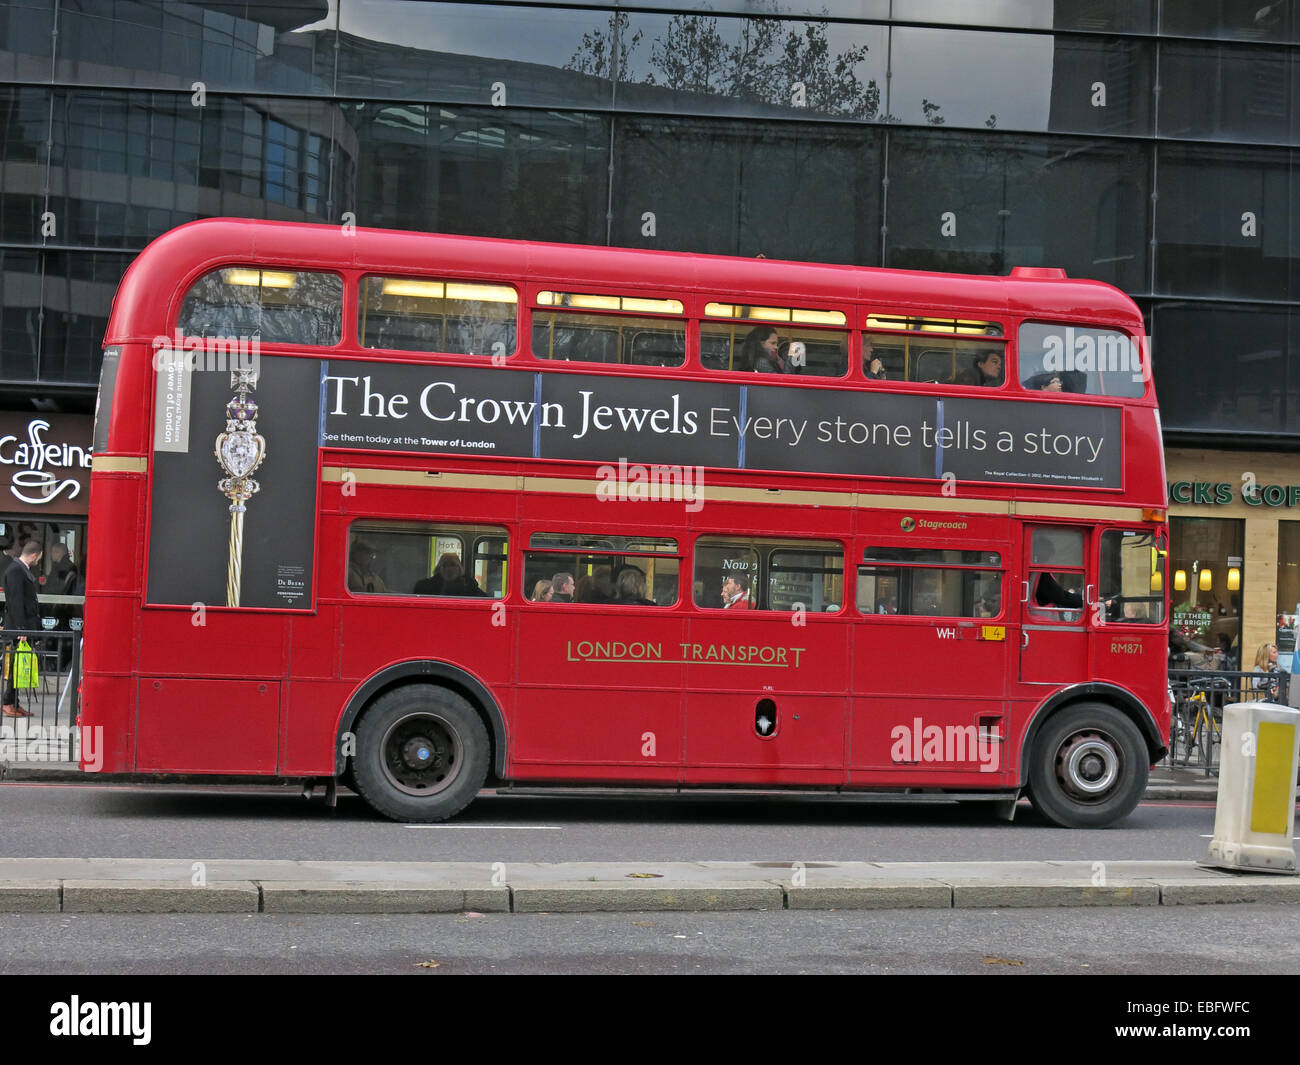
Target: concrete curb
(135, 885)
(157, 896)
(571, 897)
(380, 897)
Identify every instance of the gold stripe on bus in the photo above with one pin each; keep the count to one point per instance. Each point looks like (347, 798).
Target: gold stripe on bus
(431, 479)
(1115, 512)
(730, 494)
(118, 464)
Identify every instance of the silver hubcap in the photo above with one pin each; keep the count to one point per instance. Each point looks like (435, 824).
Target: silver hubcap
(1088, 765)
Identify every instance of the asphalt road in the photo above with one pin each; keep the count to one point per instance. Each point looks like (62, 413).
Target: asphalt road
(1153, 940)
(205, 823)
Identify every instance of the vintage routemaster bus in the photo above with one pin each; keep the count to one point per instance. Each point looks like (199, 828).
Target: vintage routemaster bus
(426, 512)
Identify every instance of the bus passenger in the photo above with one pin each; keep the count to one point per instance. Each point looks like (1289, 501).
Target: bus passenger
(761, 353)
(361, 570)
(735, 592)
(449, 578)
(631, 587)
(596, 588)
(985, 370)
(562, 588)
(1045, 382)
(541, 592)
(871, 364)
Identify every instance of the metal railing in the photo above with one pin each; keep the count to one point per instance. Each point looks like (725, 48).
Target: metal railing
(47, 732)
(1199, 698)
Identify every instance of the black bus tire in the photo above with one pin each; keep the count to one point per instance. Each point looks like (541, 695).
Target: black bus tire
(422, 754)
(1088, 768)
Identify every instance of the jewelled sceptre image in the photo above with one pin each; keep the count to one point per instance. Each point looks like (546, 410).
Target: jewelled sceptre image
(240, 450)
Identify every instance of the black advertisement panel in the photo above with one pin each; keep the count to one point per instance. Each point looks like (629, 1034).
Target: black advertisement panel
(604, 419)
(401, 407)
(667, 423)
(191, 540)
(1030, 443)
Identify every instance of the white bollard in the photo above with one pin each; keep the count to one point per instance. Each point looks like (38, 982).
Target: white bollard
(1255, 815)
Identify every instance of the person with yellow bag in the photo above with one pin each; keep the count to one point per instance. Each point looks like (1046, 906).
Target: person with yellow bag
(22, 613)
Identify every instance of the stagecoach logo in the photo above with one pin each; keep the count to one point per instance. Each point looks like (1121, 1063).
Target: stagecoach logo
(907, 524)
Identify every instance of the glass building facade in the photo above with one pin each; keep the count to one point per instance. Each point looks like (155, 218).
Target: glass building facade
(1151, 144)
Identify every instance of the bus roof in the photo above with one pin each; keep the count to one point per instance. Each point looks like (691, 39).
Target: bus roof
(170, 264)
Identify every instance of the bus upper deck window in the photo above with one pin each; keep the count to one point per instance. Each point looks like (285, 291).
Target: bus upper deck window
(788, 340)
(933, 350)
(427, 314)
(275, 306)
(1074, 358)
(585, 327)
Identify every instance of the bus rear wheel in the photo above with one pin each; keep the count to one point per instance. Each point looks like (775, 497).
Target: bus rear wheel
(422, 754)
(1089, 767)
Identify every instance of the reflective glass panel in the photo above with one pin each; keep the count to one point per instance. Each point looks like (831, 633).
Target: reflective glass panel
(1218, 92)
(488, 54)
(277, 306)
(26, 40)
(532, 175)
(755, 574)
(1226, 223)
(1205, 614)
(419, 558)
(20, 314)
(1126, 16)
(1224, 368)
(574, 336)
(719, 65)
(164, 44)
(1056, 359)
(744, 346)
(77, 295)
(422, 314)
(933, 358)
(980, 204)
(784, 191)
(1243, 20)
(1128, 560)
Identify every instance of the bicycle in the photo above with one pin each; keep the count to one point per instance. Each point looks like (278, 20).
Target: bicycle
(1206, 730)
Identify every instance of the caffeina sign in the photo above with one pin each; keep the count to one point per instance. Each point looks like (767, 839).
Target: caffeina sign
(45, 463)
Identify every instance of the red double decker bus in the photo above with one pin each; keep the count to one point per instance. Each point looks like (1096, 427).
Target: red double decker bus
(423, 512)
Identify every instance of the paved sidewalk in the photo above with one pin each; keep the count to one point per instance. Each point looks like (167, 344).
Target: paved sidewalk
(140, 885)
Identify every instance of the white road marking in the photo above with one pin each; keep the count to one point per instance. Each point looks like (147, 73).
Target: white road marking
(515, 828)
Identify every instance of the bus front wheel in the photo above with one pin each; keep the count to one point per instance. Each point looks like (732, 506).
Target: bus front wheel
(422, 754)
(1089, 767)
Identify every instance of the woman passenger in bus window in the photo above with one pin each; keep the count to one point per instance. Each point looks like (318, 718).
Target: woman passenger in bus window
(542, 592)
(761, 351)
(631, 587)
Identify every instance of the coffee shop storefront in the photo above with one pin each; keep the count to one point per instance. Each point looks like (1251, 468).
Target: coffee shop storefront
(1234, 566)
(45, 487)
